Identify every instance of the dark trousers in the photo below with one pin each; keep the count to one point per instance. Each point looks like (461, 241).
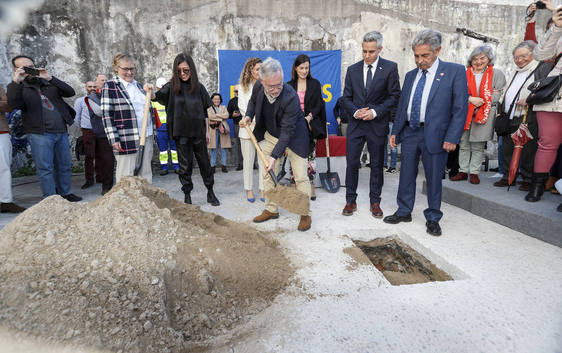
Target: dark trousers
(375, 146)
(89, 140)
(527, 161)
(104, 162)
(413, 146)
(197, 147)
(236, 148)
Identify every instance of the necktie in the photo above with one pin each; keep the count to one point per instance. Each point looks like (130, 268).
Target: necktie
(416, 102)
(369, 77)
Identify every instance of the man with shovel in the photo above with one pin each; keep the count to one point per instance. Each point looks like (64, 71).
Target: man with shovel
(280, 122)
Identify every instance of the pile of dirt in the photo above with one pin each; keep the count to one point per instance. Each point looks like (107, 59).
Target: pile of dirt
(134, 271)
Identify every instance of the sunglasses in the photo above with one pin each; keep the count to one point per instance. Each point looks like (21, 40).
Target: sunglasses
(184, 70)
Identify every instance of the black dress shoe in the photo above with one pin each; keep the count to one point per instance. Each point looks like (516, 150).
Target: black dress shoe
(72, 198)
(87, 184)
(239, 167)
(164, 172)
(212, 198)
(187, 199)
(559, 208)
(395, 218)
(433, 228)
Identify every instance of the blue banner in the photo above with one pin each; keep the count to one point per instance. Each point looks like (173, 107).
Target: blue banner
(325, 66)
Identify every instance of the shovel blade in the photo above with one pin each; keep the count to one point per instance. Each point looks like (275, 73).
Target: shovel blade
(289, 198)
(330, 181)
(138, 162)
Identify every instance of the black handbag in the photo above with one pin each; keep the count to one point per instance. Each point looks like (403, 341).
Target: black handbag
(545, 90)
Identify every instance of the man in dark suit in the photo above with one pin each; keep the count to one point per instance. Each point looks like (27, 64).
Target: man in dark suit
(280, 126)
(371, 92)
(429, 122)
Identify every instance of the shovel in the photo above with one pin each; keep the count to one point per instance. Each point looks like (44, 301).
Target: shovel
(330, 181)
(283, 171)
(140, 152)
(289, 198)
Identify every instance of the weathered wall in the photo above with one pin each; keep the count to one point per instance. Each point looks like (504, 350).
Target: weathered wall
(77, 38)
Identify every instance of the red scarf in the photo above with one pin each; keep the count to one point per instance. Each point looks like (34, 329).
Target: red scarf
(482, 113)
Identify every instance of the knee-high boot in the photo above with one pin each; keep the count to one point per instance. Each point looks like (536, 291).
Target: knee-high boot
(537, 187)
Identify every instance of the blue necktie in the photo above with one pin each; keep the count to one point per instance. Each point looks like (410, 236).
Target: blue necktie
(416, 102)
(369, 77)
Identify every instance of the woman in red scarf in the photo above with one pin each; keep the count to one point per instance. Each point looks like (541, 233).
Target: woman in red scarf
(485, 86)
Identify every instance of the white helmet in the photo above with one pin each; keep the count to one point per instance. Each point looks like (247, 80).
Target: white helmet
(161, 81)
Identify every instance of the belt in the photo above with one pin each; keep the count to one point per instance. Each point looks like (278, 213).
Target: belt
(408, 123)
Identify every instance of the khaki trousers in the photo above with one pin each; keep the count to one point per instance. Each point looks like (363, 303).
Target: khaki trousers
(126, 162)
(299, 165)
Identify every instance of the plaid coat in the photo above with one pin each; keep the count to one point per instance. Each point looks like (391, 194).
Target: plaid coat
(119, 118)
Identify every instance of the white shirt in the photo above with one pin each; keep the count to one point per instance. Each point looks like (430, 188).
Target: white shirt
(137, 99)
(82, 113)
(511, 92)
(373, 71)
(429, 77)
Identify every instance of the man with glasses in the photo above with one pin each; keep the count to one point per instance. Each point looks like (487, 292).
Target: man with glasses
(281, 125)
(45, 117)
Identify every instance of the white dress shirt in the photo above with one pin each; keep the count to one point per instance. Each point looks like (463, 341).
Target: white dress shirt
(512, 91)
(137, 98)
(429, 78)
(373, 71)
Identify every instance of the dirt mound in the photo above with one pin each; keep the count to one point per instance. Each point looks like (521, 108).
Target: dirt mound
(135, 271)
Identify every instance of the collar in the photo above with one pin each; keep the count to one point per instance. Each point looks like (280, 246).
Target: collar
(126, 84)
(374, 65)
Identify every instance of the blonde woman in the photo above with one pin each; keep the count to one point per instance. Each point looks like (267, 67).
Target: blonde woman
(248, 77)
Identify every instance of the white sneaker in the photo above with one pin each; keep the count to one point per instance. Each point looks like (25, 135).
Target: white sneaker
(497, 175)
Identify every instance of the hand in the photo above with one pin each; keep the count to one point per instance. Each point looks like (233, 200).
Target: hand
(549, 5)
(244, 121)
(338, 120)
(359, 114)
(43, 73)
(392, 141)
(148, 87)
(449, 147)
(270, 164)
(308, 118)
(368, 114)
(476, 101)
(522, 102)
(557, 18)
(19, 75)
(117, 147)
(532, 10)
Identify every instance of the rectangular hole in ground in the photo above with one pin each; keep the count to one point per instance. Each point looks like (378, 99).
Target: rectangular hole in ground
(399, 263)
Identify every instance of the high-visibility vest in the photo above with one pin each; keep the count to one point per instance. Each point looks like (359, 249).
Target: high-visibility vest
(161, 110)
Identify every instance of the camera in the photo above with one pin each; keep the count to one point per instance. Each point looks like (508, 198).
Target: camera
(31, 71)
(540, 5)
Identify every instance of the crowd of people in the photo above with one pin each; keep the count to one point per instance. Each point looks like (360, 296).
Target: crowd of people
(444, 113)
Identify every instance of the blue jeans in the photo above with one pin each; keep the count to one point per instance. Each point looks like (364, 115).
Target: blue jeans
(51, 154)
(393, 151)
(214, 151)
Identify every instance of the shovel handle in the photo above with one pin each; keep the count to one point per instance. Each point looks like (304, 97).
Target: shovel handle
(260, 153)
(145, 117)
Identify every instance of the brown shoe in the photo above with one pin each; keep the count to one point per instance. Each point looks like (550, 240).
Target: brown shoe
(376, 210)
(474, 179)
(223, 169)
(550, 183)
(349, 209)
(502, 183)
(265, 216)
(460, 176)
(304, 223)
(11, 207)
(525, 186)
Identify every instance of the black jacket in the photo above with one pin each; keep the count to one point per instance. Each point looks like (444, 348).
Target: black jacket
(25, 97)
(314, 103)
(232, 107)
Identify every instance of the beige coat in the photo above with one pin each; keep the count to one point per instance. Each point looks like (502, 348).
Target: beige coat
(221, 115)
(549, 46)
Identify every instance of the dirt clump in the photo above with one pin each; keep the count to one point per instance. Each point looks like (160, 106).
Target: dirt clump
(134, 271)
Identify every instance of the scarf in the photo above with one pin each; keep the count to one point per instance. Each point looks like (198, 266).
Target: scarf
(481, 115)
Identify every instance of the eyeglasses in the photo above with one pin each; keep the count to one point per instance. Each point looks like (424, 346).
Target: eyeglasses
(130, 69)
(274, 87)
(521, 57)
(184, 70)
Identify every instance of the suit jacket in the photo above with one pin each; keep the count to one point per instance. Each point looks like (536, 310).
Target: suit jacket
(314, 103)
(382, 96)
(446, 109)
(288, 121)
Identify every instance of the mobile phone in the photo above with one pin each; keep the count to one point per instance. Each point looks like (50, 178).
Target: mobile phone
(31, 71)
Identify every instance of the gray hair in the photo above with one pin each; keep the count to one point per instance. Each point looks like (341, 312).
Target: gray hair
(270, 67)
(485, 49)
(427, 36)
(529, 44)
(373, 36)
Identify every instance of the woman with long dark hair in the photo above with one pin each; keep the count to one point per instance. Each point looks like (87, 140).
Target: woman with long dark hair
(187, 101)
(309, 91)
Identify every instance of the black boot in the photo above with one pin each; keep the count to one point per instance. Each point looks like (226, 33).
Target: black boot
(187, 199)
(212, 198)
(559, 208)
(537, 187)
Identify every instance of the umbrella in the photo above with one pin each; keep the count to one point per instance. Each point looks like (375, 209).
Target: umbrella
(520, 138)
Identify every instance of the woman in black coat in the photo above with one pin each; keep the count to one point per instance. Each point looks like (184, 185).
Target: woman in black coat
(186, 101)
(312, 104)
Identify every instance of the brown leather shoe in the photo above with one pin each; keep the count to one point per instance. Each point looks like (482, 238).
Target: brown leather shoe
(11, 207)
(525, 186)
(376, 210)
(502, 183)
(349, 209)
(265, 216)
(304, 223)
(460, 176)
(474, 179)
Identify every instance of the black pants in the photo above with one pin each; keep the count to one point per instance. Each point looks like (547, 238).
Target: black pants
(197, 146)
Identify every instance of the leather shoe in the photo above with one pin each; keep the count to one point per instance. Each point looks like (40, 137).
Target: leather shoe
(395, 218)
(72, 198)
(304, 223)
(164, 172)
(265, 216)
(474, 179)
(105, 190)
(349, 209)
(213, 169)
(376, 210)
(223, 169)
(460, 176)
(525, 186)
(87, 184)
(187, 199)
(10, 207)
(501, 183)
(212, 198)
(433, 228)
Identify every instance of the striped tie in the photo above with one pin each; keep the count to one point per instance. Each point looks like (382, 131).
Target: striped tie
(416, 102)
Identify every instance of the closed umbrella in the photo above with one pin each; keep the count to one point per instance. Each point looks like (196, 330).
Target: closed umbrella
(520, 138)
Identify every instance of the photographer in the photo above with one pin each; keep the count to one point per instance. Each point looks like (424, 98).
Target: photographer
(531, 18)
(45, 116)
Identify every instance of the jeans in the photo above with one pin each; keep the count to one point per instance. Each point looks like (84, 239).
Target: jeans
(214, 152)
(51, 154)
(393, 151)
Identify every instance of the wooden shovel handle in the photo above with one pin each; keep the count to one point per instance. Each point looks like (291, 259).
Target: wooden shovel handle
(145, 117)
(260, 153)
